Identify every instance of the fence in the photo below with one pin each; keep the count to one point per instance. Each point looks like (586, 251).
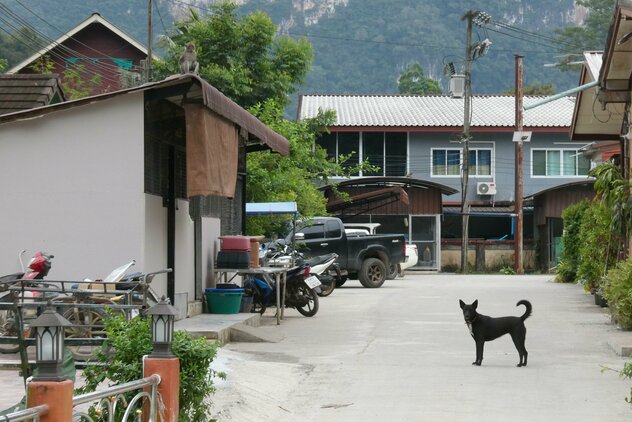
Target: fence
(110, 399)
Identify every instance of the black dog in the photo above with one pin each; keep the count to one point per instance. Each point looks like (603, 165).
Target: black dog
(484, 328)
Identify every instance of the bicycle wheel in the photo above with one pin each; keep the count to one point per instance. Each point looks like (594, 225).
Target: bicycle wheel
(87, 323)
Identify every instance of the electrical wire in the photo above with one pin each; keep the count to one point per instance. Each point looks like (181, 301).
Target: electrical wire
(37, 44)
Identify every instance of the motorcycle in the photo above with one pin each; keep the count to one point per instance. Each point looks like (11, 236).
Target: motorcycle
(300, 291)
(323, 267)
(37, 268)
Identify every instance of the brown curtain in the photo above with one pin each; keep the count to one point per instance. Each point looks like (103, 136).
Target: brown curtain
(212, 153)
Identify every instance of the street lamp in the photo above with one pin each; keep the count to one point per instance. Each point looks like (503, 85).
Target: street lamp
(50, 333)
(162, 320)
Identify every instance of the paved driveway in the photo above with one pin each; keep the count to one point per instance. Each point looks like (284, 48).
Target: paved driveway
(403, 353)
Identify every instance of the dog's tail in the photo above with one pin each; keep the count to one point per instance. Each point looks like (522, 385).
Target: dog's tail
(527, 304)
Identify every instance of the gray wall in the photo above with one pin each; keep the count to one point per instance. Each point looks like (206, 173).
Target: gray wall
(503, 162)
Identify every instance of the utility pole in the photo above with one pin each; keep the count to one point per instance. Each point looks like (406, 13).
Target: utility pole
(518, 210)
(465, 170)
(149, 38)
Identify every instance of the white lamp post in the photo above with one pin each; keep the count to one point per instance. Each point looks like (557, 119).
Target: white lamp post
(49, 328)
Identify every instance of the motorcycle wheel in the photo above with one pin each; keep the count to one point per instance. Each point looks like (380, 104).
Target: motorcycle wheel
(327, 289)
(258, 307)
(340, 281)
(311, 307)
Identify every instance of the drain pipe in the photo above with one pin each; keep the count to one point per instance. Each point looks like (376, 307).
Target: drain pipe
(562, 94)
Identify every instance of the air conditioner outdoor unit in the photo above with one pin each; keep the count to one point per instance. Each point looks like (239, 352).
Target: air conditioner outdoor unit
(457, 86)
(486, 188)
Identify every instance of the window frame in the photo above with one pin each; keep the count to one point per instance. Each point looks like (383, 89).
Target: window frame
(560, 167)
(476, 175)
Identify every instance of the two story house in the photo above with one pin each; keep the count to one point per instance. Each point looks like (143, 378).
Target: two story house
(419, 136)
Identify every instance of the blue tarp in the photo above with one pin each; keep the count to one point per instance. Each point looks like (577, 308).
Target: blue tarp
(264, 208)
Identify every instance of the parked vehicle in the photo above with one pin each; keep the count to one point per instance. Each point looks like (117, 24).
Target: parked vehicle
(324, 267)
(366, 258)
(300, 292)
(412, 255)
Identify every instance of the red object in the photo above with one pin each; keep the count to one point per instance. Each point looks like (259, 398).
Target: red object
(234, 243)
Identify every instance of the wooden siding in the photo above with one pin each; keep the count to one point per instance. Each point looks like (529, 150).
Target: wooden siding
(551, 203)
(100, 46)
(421, 201)
(23, 92)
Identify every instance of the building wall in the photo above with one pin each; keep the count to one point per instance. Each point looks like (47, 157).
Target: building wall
(72, 185)
(503, 162)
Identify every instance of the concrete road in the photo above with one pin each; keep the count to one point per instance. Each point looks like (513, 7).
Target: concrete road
(403, 353)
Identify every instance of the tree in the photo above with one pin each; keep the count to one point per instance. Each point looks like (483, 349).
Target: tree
(590, 36)
(76, 81)
(534, 89)
(240, 55)
(414, 81)
(3, 65)
(296, 178)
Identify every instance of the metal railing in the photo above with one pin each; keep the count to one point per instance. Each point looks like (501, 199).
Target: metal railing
(31, 414)
(111, 400)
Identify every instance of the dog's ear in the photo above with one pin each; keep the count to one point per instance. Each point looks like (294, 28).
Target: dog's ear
(461, 303)
(475, 304)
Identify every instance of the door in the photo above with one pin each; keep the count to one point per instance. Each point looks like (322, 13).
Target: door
(424, 234)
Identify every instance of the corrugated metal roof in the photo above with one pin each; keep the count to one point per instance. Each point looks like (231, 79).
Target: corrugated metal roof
(24, 92)
(435, 110)
(593, 60)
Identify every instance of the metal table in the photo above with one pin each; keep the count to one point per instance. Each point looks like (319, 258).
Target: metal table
(277, 272)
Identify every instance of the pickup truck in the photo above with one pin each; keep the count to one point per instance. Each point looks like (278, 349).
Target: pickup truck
(366, 258)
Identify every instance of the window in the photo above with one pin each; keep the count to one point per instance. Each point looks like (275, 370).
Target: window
(447, 162)
(558, 163)
(317, 231)
(349, 145)
(332, 229)
(386, 150)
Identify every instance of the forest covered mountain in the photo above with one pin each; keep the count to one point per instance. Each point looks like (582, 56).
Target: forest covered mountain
(360, 46)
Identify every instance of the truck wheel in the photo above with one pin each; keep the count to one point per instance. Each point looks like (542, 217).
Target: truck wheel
(373, 273)
(392, 272)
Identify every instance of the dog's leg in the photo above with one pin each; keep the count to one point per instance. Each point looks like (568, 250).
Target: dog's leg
(479, 352)
(518, 337)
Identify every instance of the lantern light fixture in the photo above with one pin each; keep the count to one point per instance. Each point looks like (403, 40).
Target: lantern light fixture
(50, 334)
(162, 322)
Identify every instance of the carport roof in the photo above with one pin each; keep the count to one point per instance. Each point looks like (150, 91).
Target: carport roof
(177, 88)
(394, 181)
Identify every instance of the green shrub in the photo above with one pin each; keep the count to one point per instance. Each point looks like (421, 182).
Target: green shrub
(617, 290)
(569, 258)
(598, 245)
(122, 361)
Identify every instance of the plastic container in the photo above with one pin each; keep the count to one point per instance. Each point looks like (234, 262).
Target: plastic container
(233, 259)
(246, 304)
(223, 301)
(234, 243)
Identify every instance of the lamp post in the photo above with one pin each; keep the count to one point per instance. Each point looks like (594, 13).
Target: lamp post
(162, 321)
(162, 361)
(48, 385)
(49, 328)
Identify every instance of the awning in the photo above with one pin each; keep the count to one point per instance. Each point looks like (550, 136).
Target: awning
(268, 208)
(369, 197)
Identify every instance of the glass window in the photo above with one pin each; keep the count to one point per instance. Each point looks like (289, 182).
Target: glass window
(316, 231)
(438, 162)
(559, 162)
(373, 151)
(539, 163)
(453, 162)
(349, 144)
(327, 141)
(484, 162)
(553, 163)
(332, 229)
(396, 144)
